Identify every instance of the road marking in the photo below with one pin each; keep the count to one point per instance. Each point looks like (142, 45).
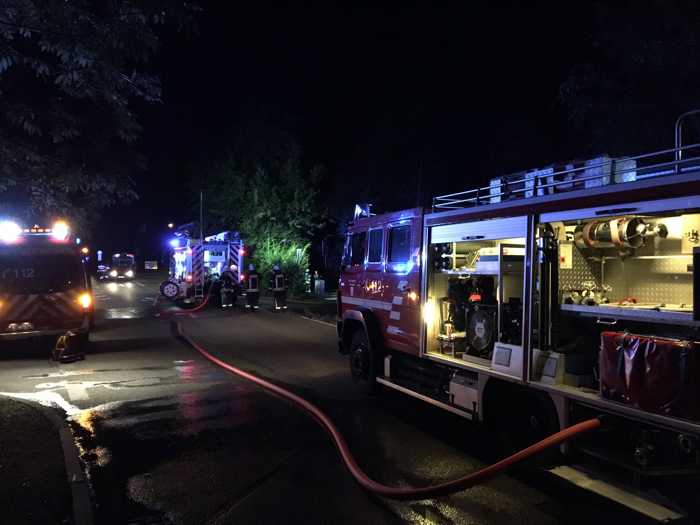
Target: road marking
(63, 373)
(77, 392)
(139, 284)
(47, 399)
(318, 321)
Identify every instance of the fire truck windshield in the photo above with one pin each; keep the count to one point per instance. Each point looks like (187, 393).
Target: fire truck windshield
(123, 260)
(39, 273)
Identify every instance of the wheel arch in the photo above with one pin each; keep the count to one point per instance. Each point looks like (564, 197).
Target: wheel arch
(361, 319)
(499, 392)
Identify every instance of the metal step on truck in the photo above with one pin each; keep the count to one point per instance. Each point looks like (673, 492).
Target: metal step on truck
(548, 297)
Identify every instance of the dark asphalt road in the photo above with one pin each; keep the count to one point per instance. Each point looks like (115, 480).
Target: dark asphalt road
(169, 438)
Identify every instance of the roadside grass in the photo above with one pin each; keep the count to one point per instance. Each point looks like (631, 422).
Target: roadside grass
(33, 483)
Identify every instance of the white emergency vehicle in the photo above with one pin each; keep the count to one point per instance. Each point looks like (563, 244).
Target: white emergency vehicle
(194, 264)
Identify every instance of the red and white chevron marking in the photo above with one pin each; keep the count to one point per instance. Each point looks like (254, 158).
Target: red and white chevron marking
(198, 264)
(59, 306)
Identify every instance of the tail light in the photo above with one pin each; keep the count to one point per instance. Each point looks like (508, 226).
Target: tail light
(188, 278)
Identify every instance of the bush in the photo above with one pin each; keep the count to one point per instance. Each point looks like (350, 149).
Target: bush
(292, 257)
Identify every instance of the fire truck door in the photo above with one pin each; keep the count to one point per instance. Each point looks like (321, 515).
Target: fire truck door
(402, 284)
(354, 265)
(374, 276)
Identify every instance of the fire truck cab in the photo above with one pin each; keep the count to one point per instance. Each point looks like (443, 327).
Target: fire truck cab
(45, 292)
(549, 297)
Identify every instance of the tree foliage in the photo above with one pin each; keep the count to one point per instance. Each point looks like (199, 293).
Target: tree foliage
(70, 76)
(292, 257)
(273, 202)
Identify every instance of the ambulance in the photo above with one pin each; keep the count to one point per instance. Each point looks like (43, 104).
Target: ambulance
(45, 292)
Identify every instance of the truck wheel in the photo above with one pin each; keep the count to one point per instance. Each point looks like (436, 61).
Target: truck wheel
(362, 362)
(169, 289)
(526, 420)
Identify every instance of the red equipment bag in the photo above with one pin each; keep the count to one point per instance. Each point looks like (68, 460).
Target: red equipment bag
(621, 369)
(652, 373)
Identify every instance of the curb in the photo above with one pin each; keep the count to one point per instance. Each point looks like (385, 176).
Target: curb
(326, 323)
(77, 481)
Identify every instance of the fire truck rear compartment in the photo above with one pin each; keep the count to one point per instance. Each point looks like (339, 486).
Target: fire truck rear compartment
(612, 308)
(615, 305)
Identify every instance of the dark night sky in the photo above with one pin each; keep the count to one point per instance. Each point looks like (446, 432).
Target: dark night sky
(473, 89)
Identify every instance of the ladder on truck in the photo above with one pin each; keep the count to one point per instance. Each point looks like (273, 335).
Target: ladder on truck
(198, 270)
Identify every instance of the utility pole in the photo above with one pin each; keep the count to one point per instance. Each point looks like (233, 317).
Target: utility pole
(201, 216)
(198, 255)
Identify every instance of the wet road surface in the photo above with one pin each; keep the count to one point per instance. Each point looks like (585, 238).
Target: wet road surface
(169, 438)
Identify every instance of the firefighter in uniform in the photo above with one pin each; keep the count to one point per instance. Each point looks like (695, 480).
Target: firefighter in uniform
(278, 285)
(252, 292)
(228, 289)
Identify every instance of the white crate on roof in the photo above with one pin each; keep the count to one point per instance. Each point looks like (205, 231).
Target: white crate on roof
(496, 186)
(625, 170)
(534, 181)
(598, 167)
(508, 187)
(560, 178)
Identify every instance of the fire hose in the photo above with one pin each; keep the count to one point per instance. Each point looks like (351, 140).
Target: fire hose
(399, 493)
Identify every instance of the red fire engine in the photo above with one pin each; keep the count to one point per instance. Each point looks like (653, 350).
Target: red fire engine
(548, 297)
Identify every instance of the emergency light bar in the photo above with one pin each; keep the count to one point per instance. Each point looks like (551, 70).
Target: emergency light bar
(10, 231)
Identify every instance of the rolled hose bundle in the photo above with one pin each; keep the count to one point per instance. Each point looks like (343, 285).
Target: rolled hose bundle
(399, 493)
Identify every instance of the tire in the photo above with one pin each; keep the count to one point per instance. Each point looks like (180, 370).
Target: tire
(363, 367)
(525, 420)
(169, 289)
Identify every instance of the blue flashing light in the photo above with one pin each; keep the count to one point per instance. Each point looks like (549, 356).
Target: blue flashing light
(77, 240)
(175, 243)
(403, 268)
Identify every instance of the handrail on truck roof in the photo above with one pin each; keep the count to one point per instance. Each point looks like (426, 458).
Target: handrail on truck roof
(578, 174)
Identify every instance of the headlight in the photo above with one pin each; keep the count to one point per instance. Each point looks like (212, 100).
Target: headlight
(60, 231)
(85, 300)
(9, 231)
(113, 273)
(129, 273)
